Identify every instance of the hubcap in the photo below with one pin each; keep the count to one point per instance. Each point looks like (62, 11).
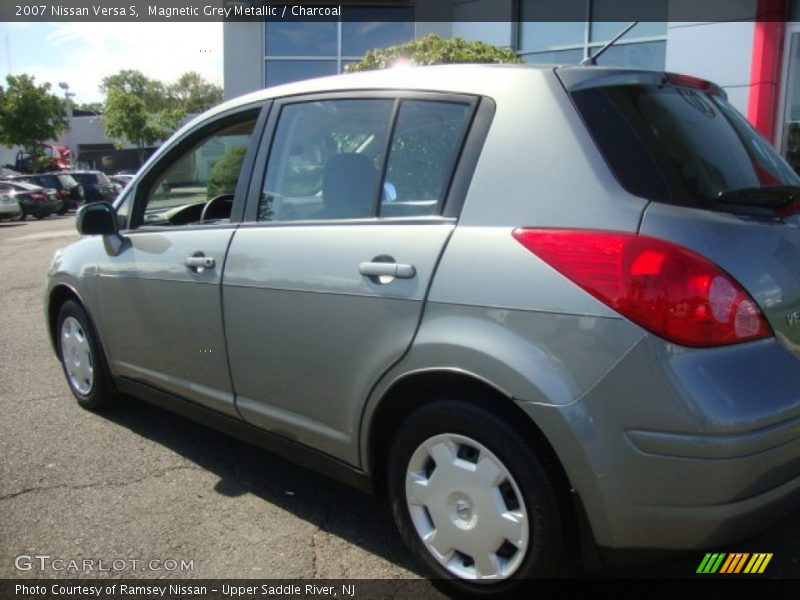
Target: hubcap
(77, 356)
(466, 508)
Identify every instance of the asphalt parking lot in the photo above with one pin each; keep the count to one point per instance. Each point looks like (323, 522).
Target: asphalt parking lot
(138, 484)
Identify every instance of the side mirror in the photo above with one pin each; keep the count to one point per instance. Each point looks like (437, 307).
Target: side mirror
(97, 218)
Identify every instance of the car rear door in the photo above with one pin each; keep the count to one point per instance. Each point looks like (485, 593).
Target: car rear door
(159, 294)
(325, 281)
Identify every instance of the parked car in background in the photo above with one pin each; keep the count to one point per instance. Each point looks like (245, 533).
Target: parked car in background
(579, 303)
(34, 200)
(69, 191)
(96, 186)
(9, 206)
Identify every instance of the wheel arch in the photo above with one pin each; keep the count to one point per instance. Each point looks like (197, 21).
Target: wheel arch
(413, 390)
(56, 298)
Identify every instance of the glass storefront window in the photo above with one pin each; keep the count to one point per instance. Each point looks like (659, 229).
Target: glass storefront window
(376, 28)
(593, 22)
(647, 55)
(790, 140)
(558, 57)
(603, 31)
(297, 49)
(652, 16)
(542, 36)
(301, 38)
(287, 71)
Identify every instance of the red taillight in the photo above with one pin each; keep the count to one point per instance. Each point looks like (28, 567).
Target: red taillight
(38, 196)
(666, 288)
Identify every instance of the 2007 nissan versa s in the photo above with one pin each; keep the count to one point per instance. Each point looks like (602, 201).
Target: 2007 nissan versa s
(506, 296)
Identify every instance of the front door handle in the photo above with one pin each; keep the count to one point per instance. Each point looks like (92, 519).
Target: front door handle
(387, 269)
(199, 262)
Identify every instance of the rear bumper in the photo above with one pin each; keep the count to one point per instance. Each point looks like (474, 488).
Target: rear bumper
(683, 449)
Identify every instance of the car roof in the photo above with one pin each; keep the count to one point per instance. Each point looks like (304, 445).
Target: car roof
(443, 78)
(23, 184)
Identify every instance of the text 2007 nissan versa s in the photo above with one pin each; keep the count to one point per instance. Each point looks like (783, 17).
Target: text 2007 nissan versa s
(505, 296)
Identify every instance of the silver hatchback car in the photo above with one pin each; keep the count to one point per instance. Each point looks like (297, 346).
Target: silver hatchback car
(510, 298)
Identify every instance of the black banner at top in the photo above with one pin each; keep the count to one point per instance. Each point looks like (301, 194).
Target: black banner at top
(403, 10)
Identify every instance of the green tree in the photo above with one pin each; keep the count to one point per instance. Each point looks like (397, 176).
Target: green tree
(434, 50)
(127, 117)
(95, 107)
(130, 81)
(192, 94)
(225, 172)
(30, 114)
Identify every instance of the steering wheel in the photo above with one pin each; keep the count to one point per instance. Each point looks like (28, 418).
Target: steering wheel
(219, 207)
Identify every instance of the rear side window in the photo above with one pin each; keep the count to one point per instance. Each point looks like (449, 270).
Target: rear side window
(325, 160)
(50, 181)
(423, 152)
(679, 144)
(361, 158)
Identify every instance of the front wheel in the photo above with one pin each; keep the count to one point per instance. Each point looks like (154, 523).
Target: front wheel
(475, 502)
(82, 359)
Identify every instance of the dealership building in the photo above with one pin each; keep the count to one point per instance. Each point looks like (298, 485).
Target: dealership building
(754, 54)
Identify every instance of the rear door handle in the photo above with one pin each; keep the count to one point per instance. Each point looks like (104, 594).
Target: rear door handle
(387, 269)
(199, 262)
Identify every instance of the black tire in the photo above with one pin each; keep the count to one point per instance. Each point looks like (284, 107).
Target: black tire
(551, 549)
(40, 215)
(102, 392)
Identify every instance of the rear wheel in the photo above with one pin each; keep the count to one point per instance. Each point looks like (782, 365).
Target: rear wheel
(81, 358)
(475, 503)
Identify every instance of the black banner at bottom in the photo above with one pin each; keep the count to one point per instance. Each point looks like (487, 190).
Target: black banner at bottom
(416, 589)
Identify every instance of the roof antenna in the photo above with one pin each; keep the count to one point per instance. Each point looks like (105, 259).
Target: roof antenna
(591, 60)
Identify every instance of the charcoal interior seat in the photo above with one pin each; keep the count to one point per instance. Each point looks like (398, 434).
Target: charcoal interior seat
(349, 186)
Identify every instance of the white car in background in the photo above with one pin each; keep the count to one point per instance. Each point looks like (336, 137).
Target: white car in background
(9, 207)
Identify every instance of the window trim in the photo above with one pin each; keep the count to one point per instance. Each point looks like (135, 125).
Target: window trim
(250, 217)
(187, 140)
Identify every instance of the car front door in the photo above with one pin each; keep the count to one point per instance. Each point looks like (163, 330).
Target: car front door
(159, 295)
(325, 280)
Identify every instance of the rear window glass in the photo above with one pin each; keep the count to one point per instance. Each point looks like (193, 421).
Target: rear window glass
(679, 144)
(50, 181)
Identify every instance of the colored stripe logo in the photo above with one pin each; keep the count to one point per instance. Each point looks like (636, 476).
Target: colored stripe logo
(734, 563)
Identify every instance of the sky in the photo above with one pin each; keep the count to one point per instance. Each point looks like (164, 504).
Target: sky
(81, 54)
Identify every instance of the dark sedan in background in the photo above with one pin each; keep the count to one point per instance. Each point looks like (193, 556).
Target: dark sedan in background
(33, 199)
(69, 191)
(96, 185)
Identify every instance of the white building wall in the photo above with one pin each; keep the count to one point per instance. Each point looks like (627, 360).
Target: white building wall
(243, 58)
